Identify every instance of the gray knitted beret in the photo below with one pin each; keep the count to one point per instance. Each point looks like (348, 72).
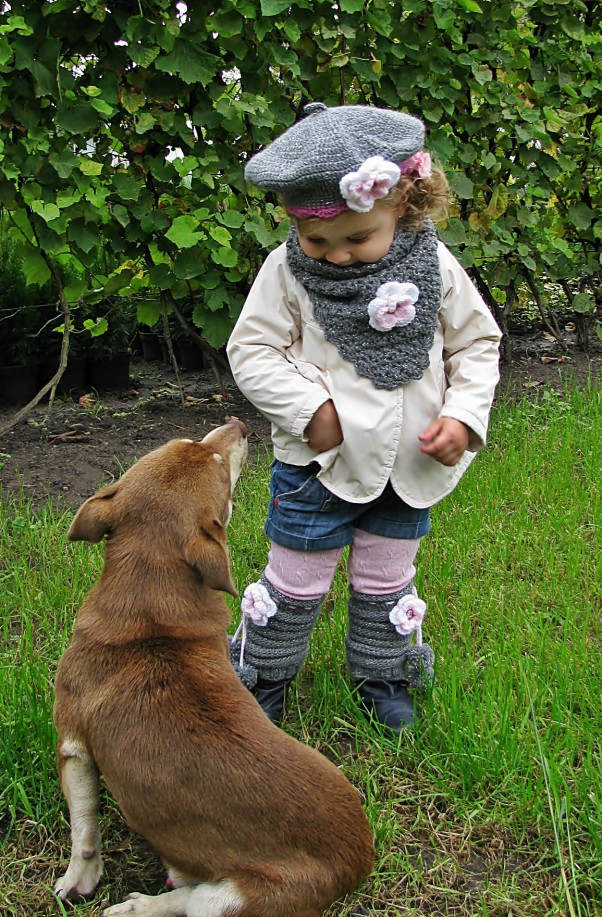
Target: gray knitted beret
(307, 162)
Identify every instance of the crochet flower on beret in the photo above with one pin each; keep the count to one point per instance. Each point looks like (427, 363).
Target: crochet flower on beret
(257, 605)
(372, 181)
(420, 163)
(393, 305)
(408, 615)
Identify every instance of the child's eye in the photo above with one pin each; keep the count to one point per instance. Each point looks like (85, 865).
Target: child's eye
(358, 239)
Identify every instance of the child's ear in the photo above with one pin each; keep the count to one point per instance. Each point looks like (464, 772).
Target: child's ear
(93, 520)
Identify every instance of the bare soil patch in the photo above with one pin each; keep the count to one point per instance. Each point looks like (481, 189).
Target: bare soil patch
(81, 444)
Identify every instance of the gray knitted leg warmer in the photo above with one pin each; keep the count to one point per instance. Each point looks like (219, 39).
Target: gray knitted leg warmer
(376, 650)
(276, 650)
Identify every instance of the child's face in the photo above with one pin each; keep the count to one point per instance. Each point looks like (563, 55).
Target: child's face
(350, 237)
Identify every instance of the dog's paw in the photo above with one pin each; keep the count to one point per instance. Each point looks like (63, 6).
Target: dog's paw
(135, 905)
(80, 880)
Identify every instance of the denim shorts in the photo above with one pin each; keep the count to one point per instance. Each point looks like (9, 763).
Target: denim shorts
(305, 516)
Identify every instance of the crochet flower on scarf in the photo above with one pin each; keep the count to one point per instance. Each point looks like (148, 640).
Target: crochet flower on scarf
(420, 163)
(408, 615)
(257, 605)
(393, 305)
(373, 180)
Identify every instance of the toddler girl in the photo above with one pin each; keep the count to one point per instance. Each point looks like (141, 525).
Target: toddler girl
(368, 348)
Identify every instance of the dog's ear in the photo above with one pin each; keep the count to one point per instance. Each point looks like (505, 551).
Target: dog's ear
(207, 553)
(93, 520)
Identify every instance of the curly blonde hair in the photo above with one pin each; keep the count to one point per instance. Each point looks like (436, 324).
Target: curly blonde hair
(421, 199)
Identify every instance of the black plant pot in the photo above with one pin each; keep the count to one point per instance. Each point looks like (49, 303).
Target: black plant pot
(188, 355)
(164, 349)
(74, 377)
(19, 384)
(151, 346)
(109, 372)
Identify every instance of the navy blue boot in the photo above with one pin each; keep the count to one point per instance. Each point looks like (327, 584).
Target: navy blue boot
(271, 695)
(389, 702)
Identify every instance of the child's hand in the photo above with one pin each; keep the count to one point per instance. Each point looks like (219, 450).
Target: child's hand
(324, 430)
(446, 440)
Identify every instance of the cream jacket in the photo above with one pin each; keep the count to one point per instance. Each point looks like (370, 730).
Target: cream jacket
(283, 364)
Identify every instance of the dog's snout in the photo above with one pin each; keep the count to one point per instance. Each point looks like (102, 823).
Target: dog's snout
(230, 442)
(238, 423)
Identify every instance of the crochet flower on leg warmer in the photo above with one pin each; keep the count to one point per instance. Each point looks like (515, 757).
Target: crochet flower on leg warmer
(384, 638)
(274, 634)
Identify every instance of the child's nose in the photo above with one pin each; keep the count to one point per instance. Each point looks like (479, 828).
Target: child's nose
(338, 256)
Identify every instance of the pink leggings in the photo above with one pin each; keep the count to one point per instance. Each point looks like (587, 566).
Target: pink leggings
(377, 566)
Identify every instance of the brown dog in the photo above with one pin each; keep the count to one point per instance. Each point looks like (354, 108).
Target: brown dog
(249, 822)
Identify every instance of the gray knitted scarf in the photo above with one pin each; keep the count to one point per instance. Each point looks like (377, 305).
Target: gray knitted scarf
(340, 297)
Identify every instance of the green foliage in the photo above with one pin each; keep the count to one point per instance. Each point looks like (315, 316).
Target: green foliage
(23, 309)
(31, 319)
(126, 129)
(109, 330)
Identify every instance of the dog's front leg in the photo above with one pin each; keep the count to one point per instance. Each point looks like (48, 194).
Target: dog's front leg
(79, 780)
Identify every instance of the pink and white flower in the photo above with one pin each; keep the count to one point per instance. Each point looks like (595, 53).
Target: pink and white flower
(393, 305)
(420, 163)
(257, 605)
(372, 181)
(408, 615)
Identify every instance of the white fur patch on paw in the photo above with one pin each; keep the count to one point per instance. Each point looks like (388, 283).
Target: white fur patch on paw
(81, 878)
(134, 904)
(171, 904)
(219, 900)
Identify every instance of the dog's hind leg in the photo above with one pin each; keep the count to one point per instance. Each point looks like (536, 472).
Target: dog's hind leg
(220, 899)
(79, 780)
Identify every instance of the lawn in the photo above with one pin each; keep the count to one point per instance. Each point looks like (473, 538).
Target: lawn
(494, 806)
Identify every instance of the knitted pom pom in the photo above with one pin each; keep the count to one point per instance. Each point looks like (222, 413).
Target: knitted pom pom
(246, 673)
(419, 666)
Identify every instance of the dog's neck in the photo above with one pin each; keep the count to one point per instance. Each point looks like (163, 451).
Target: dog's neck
(136, 599)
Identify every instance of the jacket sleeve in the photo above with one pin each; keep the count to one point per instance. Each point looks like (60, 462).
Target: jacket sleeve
(268, 326)
(471, 340)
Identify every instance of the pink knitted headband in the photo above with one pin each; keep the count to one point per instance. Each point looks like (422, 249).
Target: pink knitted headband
(322, 213)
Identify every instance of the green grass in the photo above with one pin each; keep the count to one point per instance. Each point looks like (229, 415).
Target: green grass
(494, 806)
